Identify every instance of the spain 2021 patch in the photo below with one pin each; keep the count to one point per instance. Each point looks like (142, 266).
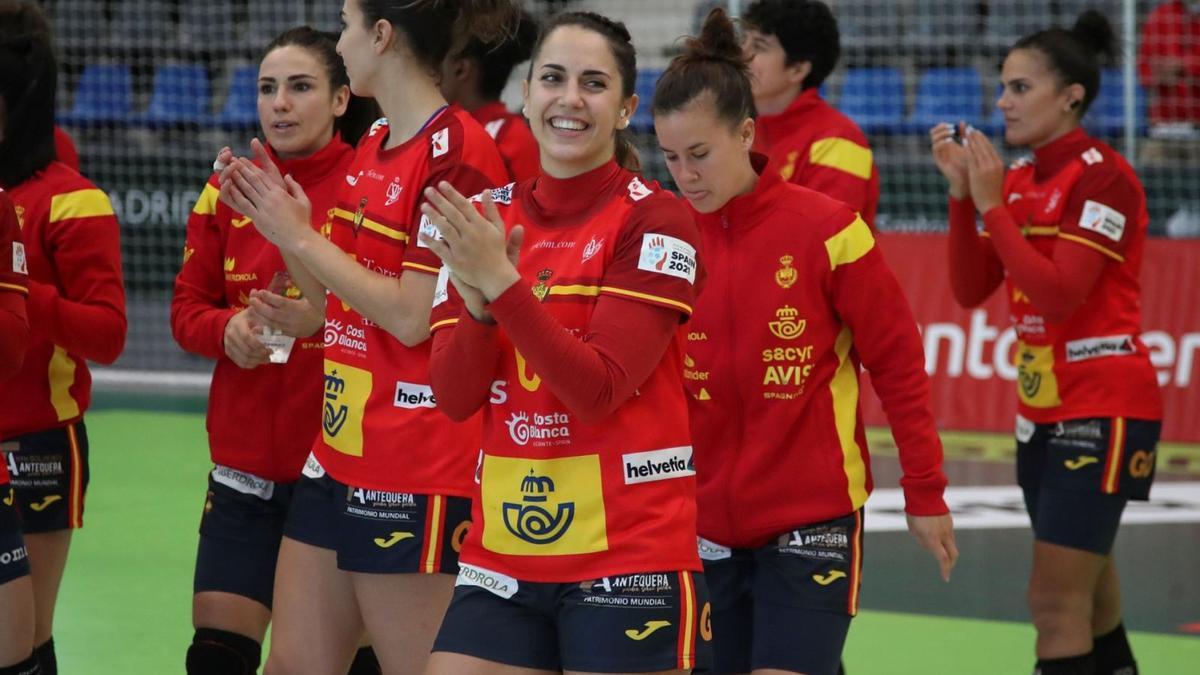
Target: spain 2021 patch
(19, 265)
(668, 255)
(1102, 219)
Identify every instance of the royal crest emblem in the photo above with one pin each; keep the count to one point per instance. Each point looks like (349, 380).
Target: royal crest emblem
(786, 275)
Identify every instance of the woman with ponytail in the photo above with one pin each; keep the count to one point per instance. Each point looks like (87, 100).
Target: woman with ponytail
(231, 287)
(790, 314)
(376, 521)
(558, 315)
(1064, 231)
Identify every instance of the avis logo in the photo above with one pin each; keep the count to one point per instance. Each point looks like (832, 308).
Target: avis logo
(530, 520)
(334, 415)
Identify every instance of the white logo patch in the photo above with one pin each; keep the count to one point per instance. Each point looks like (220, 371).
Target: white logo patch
(1095, 348)
(441, 292)
(1102, 219)
(441, 143)
(245, 483)
(427, 228)
(493, 582)
(711, 550)
(19, 265)
(412, 396)
(493, 128)
(393, 192)
(379, 124)
(638, 190)
(656, 465)
(1025, 429)
(667, 255)
(593, 247)
(313, 468)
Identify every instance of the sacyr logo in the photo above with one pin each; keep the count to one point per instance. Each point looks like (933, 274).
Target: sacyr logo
(650, 628)
(530, 520)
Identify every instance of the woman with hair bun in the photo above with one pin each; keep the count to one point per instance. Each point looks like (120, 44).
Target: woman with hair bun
(1064, 231)
(781, 458)
(375, 524)
(558, 316)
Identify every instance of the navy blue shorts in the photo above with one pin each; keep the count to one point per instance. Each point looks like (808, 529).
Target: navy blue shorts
(240, 532)
(49, 471)
(788, 604)
(628, 623)
(1077, 476)
(14, 559)
(375, 531)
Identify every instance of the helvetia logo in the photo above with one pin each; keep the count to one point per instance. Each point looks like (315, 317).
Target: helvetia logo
(656, 465)
(531, 520)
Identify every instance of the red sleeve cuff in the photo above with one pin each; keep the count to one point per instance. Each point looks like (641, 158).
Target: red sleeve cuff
(925, 500)
(512, 300)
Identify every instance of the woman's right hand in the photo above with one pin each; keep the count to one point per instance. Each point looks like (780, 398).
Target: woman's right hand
(951, 158)
(242, 345)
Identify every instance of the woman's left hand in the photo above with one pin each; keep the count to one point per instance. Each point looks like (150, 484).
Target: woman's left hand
(277, 204)
(985, 171)
(473, 244)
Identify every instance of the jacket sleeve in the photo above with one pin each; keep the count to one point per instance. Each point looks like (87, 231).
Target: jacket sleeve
(842, 169)
(85, 315)
(199, 310)
(890, 348)
(975, 271)
(14, 285)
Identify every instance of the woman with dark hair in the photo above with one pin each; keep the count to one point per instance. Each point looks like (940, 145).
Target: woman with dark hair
(374, 527)
(17, 656)
(231, 287)
(782, 464)
(76, 307)
(1064, 231)
(793, 45)
(475, 76)
(564, 330)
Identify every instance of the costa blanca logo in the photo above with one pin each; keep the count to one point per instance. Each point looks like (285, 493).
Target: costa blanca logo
(412, 396)
(667, 255)
(537, 519)
(345, 335)
(638, 190)
(393, 192)
(542, 430)
(333, 328)
(19, 265)
(441, 143)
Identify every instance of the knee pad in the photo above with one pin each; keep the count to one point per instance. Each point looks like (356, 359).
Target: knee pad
(30, 666)
(221, 652)
(365, 663)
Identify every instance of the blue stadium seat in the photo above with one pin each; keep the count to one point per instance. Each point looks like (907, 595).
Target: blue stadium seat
(181, 96)
(946, 95)
(873, 98)
(241, 104)
(1106, 117)
(643, 118)
(104, 95)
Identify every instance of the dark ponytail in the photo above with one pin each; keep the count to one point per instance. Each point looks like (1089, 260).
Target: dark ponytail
(620, 43)
(432, 27)
(360, 112)
(496, 59)
(712, 63)
(1075, 55)
(28, 74)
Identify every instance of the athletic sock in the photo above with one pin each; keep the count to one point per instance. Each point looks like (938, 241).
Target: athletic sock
(1083, 664)
(46, 657)
(29, 666)
(1113, 655)
(221, 652)
(365, 663)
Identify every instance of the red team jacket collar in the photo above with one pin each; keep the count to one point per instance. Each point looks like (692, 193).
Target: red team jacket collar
(748, 209)
(490, 111)
(1052, 157)
(576, 196)
(317, 166)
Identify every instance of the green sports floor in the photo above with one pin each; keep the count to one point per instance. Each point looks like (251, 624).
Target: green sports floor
(125, 602)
